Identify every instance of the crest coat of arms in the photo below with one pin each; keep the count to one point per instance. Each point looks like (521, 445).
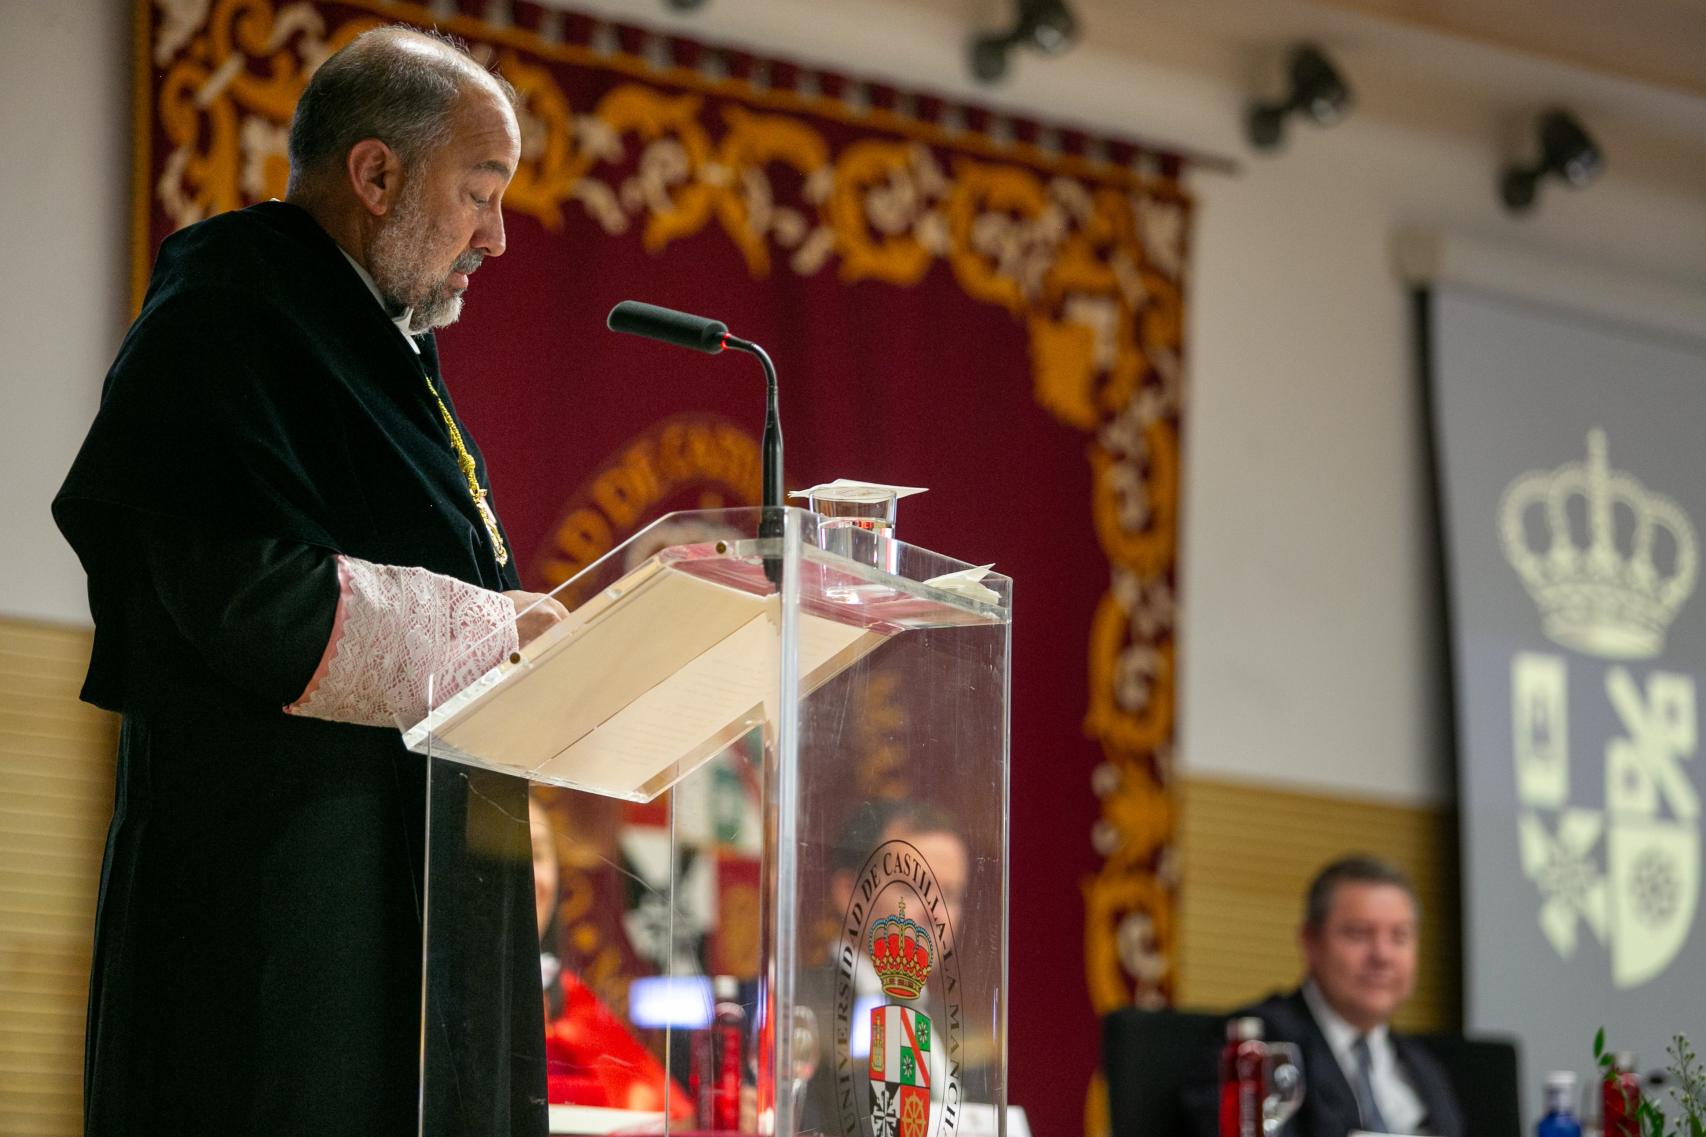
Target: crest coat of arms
(912, 1070)
(1609, 564)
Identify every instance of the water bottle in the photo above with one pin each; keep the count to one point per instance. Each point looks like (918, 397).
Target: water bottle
(1241, 1078)
(728, 1048)
(1560, 1119)
(1621, 1094)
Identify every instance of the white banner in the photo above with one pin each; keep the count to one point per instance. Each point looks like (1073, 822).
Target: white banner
(1572, 479)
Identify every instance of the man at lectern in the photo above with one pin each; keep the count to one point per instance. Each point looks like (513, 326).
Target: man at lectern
(1359, 949)
(286, 530)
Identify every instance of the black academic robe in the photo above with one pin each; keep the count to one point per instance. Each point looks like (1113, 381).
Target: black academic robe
(258, 939)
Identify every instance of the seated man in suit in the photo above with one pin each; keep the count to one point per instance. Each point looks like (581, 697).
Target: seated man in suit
(1359, 951)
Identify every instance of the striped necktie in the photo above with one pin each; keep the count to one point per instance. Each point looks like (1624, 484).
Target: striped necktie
(1366, 1105)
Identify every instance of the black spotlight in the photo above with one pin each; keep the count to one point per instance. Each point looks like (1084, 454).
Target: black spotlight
(685, 5)
(1046, 25)
(1316, 90)
(1565, 150)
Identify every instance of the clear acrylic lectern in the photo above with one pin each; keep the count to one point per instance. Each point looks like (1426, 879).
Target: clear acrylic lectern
(763, 783)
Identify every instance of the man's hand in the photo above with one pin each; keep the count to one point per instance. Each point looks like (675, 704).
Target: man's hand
(535, 613)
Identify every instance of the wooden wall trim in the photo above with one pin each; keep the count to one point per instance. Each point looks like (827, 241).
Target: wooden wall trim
(56, 794)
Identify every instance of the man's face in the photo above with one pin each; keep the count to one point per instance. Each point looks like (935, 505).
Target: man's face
(448, 216)
(946, 854)
(1363, 956)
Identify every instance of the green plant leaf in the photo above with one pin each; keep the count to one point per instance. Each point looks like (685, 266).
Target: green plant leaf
(1651, 1119)
(1599, 1044)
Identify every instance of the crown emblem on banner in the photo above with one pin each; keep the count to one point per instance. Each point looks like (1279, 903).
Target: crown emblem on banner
(900, 951)
(1609, 562)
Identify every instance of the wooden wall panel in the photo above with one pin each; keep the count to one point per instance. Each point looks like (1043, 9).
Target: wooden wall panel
(56, 792)
(1247, 854)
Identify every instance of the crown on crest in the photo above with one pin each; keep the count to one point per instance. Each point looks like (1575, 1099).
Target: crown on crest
(900, 951)
(1609, 563)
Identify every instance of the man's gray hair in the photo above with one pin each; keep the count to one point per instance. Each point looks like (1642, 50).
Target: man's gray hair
(379, 85)
(1358, 868)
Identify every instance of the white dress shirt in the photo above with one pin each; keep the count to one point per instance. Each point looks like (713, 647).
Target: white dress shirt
(1399, 1105)
(402, 321)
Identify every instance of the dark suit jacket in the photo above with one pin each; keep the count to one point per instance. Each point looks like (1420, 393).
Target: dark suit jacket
(1329, 1105)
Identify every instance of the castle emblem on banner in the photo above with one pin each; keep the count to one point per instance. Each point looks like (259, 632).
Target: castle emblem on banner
(1610, 565)
(900, 951)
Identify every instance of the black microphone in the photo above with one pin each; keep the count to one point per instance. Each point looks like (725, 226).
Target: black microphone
(668, 325)
(712, 336)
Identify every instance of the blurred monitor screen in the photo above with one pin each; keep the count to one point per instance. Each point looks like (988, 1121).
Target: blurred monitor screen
(670, 1001)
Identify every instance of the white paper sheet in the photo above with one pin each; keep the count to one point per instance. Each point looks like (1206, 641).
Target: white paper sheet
(852, 483)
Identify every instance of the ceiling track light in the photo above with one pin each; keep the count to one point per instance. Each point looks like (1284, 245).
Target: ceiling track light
(1318, 92)
(1047, 26)
(1566, 152)
(685, 5)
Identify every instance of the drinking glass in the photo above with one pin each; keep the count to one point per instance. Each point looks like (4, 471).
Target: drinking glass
(864, 507)
(807, 1047)
(1592, 1114)
(856, 521)
(1283, 1077)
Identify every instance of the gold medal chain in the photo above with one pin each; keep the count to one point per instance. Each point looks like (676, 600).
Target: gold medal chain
(465, 461)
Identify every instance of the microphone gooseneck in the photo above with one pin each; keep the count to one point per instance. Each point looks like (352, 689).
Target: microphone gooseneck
(772, 441)
(711, 336)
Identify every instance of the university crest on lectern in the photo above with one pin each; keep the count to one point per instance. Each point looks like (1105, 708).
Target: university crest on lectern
(898, 923)
(901, 953)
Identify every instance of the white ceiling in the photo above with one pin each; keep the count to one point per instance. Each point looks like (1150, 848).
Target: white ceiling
(1477, 67)
(1634, 59)
(1633, 70)
(1659, 42)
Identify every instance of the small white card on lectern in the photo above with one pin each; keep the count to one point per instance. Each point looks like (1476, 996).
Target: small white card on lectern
(964, 582)
(855, 484)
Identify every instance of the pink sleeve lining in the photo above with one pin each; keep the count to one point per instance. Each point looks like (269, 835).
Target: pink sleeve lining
(319, 675)
(402, 639)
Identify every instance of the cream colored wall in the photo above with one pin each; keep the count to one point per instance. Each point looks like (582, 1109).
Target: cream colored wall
(64, 226)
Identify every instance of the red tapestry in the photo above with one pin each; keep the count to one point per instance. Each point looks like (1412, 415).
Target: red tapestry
(988, 307)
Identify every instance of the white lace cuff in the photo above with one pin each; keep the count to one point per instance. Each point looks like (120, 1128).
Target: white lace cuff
(398, 632)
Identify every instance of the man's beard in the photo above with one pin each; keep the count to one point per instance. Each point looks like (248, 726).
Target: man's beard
(398, 263)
